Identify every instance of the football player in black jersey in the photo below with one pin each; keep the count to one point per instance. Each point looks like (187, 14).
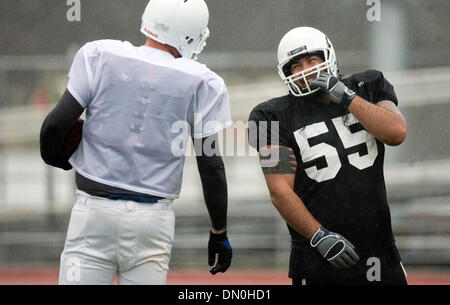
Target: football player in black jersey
(322, 153)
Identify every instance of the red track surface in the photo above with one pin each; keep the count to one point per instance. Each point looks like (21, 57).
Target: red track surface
(251, 277)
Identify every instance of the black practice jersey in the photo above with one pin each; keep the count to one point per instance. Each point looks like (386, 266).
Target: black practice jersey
(339, 169)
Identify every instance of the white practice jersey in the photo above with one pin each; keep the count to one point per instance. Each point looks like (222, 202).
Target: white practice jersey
(142, 105)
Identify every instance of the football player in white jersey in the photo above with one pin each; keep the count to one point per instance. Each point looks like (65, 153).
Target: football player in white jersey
(142, 103)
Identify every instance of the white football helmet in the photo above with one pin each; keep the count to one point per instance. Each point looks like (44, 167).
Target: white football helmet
(298, 42)
(182, 24)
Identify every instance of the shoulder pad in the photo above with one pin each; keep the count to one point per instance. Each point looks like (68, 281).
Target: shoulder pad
(367, 76)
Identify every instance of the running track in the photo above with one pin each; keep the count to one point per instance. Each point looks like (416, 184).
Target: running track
(251, 277)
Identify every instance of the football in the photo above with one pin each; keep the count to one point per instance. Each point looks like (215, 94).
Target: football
(73, 139)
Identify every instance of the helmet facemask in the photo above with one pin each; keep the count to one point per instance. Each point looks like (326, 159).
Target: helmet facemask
(300, 42)
(304, 76)
(194, 46)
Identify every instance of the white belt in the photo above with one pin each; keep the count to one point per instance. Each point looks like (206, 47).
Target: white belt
(86, 199)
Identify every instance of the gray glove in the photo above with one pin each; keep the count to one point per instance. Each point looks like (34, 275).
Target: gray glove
(338, 92)
(334, 248)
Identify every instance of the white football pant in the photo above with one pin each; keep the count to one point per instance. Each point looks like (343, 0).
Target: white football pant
(108, 237)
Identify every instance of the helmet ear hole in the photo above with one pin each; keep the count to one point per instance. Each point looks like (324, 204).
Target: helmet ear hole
(189, 40)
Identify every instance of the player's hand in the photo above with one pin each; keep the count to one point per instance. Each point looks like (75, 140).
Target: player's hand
(219, 244)
(338, 92)
(334, 248)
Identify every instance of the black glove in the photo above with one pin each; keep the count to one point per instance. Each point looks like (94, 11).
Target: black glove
(334, 248)
(219, 244)
(338, 92)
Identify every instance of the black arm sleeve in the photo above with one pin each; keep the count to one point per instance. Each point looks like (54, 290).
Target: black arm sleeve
(264, 129)
(214, 182)
(55, 129)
